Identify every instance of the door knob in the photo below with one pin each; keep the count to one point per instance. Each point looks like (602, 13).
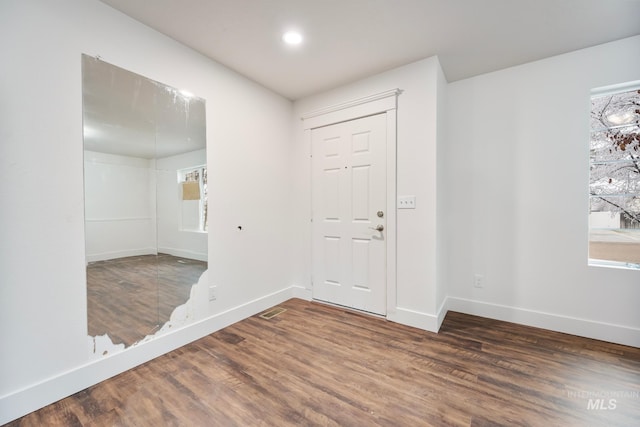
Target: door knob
(378, 227)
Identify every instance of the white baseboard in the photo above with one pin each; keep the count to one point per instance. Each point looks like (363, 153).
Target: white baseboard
(302, 293)
(183, 253)
(29, 399)
(102, 256)
(416, 319)
(618, 334)
(442, 312)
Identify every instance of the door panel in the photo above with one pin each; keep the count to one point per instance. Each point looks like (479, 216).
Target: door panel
(360, 260)
(331, 190)
(348, 189)
(360, 190)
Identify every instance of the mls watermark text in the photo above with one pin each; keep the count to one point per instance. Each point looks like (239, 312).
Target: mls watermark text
(603, 400)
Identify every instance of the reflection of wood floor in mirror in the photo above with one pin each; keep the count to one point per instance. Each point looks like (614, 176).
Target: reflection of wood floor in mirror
(130, 298)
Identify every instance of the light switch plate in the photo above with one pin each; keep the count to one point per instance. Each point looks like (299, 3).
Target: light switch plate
(406, 202)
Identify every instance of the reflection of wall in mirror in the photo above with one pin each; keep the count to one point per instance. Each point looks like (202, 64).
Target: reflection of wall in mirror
(119, 206)
(122, 204)
(173, 239)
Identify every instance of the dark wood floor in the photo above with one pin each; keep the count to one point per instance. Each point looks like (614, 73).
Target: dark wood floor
(130, 298)
(319, 365)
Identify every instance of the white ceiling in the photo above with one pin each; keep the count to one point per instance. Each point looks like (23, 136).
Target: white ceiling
(346, 40)
(127, 114)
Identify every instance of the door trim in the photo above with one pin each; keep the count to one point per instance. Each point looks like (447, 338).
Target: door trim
(353, 103)
(383, 102)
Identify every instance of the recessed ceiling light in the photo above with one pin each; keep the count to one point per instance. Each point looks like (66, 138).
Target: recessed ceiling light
(292, 38)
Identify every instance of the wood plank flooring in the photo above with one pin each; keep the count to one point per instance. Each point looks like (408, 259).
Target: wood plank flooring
(316, 365)
(130, 298)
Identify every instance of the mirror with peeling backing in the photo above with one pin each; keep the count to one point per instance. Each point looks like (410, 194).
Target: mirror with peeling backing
(145, 180)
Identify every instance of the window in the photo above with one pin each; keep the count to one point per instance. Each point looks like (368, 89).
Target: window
(193, 198)
(614, 184)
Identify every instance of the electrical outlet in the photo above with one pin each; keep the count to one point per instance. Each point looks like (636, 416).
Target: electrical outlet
(406, 202)
(478, 281)
(212, 293)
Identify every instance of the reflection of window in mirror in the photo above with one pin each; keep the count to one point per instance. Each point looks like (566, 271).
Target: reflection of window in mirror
(193, 197)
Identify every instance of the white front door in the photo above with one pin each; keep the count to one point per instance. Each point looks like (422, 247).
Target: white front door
(349, 219)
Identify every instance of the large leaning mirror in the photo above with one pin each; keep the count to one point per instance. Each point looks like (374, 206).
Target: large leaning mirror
(145, 178)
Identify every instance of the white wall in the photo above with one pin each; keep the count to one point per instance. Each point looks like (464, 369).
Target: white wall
(416, 175)
(172, 238)
(442, 289)
(516, 201)
(512, 158)
(119, 206)
(43, 328)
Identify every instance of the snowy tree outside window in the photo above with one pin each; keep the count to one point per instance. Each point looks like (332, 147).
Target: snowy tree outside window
(614, 185)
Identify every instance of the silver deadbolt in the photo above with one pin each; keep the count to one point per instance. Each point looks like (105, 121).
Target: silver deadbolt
(380, 214)
(378, 227)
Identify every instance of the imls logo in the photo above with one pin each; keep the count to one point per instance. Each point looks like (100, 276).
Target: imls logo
(602, 404)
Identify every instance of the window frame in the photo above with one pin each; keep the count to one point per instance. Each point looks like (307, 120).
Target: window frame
(595, 162)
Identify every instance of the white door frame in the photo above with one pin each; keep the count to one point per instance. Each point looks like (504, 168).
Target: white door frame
(384, 102)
